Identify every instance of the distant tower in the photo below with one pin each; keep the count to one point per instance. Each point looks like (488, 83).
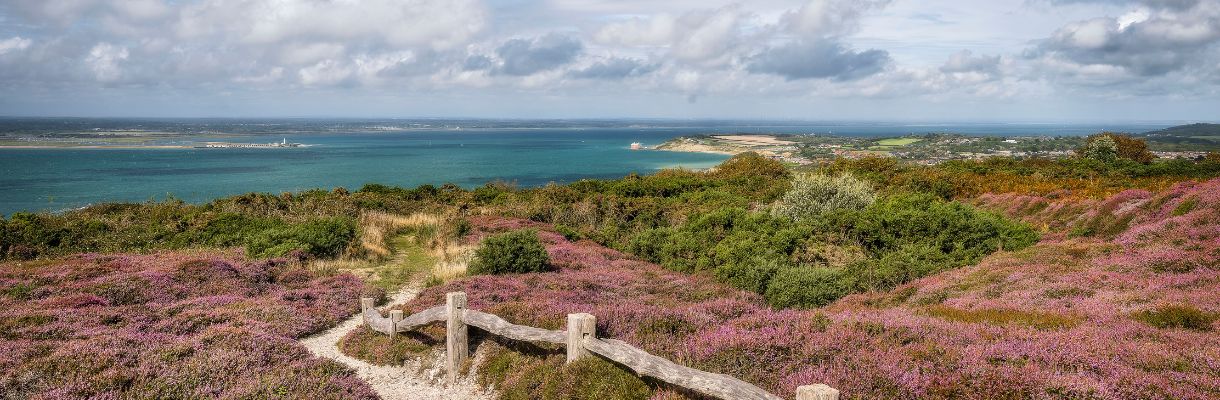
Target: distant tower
(285, 142)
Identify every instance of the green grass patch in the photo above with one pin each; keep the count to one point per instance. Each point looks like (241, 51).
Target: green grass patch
(531, 377)
(895, 142)
(1177, 316)
(996, 316)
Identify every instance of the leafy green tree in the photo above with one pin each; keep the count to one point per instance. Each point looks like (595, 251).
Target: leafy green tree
(1109, 146)
(1101, 148)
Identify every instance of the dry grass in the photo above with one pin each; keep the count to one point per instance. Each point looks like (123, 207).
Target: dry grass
(377, 228)
(393, 248)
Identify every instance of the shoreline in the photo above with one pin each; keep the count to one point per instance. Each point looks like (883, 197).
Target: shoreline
(93, 147)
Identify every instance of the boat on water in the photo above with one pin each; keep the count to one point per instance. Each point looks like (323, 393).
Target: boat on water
(637, 146)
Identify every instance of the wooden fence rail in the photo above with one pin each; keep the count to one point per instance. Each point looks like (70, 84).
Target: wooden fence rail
(580, 340)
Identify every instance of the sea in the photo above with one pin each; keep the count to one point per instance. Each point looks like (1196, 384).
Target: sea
(401, 152)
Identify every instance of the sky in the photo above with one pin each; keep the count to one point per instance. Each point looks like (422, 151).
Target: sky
(993, 60)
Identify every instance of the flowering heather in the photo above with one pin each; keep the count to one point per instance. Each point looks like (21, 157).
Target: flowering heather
(169, 325)
(1055, 320)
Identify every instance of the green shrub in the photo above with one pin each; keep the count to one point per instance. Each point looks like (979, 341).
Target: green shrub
(905, 264)
(806, 287)
(513, 252)
(753, 276)
(1177, 316)
(814, 195)
(957, 229)
(325, 237)
(568, 233)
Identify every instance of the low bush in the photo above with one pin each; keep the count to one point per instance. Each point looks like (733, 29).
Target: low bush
(806, 287)
(322, 237)
(513, 252)
(814, 195)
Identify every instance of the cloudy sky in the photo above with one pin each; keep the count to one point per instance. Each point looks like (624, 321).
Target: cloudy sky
(1027, 60)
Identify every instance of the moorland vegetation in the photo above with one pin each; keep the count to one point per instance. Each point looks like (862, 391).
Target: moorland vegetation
(882, 278)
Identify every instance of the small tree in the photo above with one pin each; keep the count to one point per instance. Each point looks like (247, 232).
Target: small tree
(510, 253)
(815, 195)
(1109, 146)
(1100, 148)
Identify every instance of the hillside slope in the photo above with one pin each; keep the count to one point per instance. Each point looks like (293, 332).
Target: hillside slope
(1067, 318)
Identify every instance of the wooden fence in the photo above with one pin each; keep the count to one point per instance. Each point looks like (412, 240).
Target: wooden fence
(580, 341)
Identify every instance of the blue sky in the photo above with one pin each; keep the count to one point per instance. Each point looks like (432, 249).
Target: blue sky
(1027, 60)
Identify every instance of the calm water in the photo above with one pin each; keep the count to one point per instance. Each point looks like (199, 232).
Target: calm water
(346, 153)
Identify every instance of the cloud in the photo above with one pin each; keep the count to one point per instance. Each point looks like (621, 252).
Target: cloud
(829, 17)
(707, 37)
(614, 68)
(13, 44)
(521, 57)
(965, 61)
(1167, 37)
(104, 60)
(810, 60)
(438, 24)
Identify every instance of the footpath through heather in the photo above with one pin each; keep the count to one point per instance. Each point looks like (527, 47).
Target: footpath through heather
(407, 382)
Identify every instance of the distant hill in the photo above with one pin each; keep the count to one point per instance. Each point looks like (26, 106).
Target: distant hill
(1187, 137)
(1188, 130)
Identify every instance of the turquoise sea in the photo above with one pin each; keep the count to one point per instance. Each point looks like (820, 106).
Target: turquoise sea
(352, 153)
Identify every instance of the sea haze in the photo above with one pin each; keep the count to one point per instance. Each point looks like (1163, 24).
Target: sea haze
(350, 153)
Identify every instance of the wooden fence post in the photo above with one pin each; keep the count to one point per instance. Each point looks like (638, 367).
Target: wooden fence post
(395, 318)
(817, 392)
(580, 326)
(455, 334)
(365, 304)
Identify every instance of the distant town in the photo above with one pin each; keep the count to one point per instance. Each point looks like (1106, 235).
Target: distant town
(1186, 142)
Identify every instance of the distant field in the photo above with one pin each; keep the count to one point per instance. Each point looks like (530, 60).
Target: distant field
(894, 142)
(1211, 138)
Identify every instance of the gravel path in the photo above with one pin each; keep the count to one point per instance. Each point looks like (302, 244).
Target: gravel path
(396, 382)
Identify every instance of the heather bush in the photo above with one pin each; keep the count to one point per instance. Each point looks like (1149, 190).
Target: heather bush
(813, 196)
(170, 325)
(513, 252)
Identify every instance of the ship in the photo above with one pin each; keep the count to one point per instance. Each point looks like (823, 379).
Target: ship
(637, 146)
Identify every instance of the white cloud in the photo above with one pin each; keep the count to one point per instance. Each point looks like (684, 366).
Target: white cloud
(829, 17)
(104, 60)
(325, 73)
(785, 50)
(13, 44)
(438, 24)
(706, 37)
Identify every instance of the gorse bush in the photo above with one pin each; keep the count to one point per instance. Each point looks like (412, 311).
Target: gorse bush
(513, 252)
(814, 195)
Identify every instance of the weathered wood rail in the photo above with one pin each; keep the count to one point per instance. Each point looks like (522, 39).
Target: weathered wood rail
(580, 340)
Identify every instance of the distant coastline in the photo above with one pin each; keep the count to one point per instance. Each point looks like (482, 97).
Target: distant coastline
(92, 146)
